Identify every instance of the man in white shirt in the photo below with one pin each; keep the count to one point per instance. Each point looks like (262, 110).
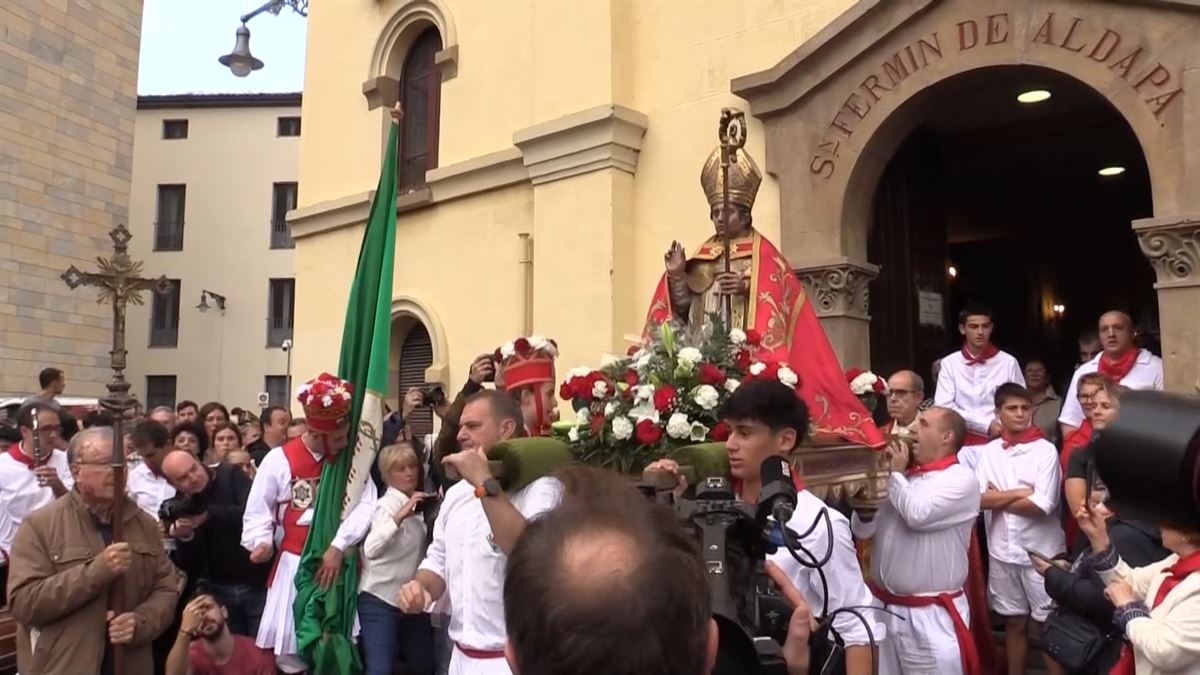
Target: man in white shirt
(284, 495)
(476, 528)
(146, 484)
(919, 559)
(25, 484)
(969, 377)
(1120, 361)
(1020, 476)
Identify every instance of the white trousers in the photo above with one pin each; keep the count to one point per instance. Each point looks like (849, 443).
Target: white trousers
(461, 664)
(922, 641)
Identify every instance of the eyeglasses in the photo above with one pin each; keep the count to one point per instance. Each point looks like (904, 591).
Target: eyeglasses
(49, 428)
(897, 393)
(105, 462)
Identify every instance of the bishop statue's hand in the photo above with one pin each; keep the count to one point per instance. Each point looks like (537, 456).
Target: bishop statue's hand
(729, 283)
(675, 259)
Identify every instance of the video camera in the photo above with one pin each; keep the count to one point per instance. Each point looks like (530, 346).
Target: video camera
(181, 506)
(735, 539)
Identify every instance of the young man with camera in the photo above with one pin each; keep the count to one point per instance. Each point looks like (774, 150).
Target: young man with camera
(206, 520)
(767, 419)
(146, 484)
(919, 561)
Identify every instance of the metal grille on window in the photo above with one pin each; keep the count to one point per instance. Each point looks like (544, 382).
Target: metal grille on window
(160, 390)
(420, 94)
(283, 199)
(276, 387)
(281, 307)
(164, 317)
(168, 228)
(416, 355)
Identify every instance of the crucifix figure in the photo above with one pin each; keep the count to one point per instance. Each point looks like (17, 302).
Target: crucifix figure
(120, 283)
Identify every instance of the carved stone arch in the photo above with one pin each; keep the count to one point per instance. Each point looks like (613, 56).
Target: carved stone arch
(382, 85)
(407, 312)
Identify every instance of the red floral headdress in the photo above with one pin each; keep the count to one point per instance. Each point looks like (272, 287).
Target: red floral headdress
(326, 400)
(526, 361)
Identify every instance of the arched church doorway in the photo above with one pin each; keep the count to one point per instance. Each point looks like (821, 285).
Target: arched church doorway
(994, 201)
(411, 358)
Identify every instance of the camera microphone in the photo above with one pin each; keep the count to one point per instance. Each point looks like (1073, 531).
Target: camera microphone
(778, 495)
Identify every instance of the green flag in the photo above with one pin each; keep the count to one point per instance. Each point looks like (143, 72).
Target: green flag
(324, 619)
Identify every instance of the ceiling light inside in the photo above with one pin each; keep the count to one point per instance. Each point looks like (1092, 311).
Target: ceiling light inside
(1115, 170)
(1033, 96)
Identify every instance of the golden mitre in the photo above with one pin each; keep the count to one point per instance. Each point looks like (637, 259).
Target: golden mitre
(744, 179)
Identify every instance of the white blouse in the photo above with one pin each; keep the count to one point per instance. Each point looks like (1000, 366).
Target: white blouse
(391, 553)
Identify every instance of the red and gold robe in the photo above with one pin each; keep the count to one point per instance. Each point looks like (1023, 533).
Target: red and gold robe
(778, 310)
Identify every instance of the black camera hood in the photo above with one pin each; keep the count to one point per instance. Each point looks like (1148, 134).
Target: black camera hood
(1150, 458)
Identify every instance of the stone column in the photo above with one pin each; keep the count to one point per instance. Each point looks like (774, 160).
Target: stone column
(1172, 244)
(838, 290)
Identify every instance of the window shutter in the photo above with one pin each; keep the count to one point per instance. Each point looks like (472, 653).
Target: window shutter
(416, 355)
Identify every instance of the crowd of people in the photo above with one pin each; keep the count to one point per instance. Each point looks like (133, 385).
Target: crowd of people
(993, 508)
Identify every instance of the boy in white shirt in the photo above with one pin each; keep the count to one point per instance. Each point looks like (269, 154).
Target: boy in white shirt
(1020, 477)
(969, 377)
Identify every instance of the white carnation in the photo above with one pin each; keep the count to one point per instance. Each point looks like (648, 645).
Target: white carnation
(507, 350)
(326, 400)
(610, 408)
(622, 428)
(679, 426)
(699, 432)
(644, 411)
(537, 341)
(731, 385)
(643, 362)
(788, 376)
(757, 367)
(582, 417)
(737, 336)
(600, 389)
(643, 392)
(706, 396)
(578, 371)
(863, 384)
(573, 435)
(690, 356)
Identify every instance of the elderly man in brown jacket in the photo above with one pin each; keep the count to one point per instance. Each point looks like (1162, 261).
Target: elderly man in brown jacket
(62, 568)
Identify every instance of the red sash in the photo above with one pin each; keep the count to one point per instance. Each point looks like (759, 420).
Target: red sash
(1116, 370)
(989, 350)
(303, 466)
(480, 653)
(966, 641)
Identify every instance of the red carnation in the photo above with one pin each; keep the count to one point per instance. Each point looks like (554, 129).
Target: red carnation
(753, 338)
(720, 432)
(710, 374)
(853, 373)
(632, 350)
(498, 357)
(631, 377)
(648, 432)
(743, 359)
(597, 424)
(771, 372)
(565, 392)
(664, 397)
(521, 345)
(879, 386)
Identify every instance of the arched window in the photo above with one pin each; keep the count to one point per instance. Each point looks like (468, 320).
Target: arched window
(420, 95)
(416, 356)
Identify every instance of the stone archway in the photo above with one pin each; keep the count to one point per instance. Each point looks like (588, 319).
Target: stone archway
(835, 110)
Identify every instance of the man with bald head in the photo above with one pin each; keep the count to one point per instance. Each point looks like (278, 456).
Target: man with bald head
(906, 390)
(1120, 360)
(65, 562)
(919, 560)
(209, 543)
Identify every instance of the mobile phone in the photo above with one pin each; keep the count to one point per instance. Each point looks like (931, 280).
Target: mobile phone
(427, 503)
(1040, 556)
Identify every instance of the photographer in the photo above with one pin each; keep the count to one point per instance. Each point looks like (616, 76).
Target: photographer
(766, 419)
(613, 583)
(145, 483)
(206, 520)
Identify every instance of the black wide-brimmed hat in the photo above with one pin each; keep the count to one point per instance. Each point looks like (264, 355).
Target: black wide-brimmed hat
(1150, 458)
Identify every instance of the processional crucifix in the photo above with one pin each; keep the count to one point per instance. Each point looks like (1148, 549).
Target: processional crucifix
(120, 283)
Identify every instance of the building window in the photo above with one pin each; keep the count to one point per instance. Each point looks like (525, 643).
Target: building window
(276, 387)
(164, 317)
(420, 95)
(283, 199)
(416, 356)
(287, 126)
(281, 303)
(160, 390)
(168, 228)
(175, 129)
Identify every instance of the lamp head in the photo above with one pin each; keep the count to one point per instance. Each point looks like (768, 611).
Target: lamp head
(240, 61)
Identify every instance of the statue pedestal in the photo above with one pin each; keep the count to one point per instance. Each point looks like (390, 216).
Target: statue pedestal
(843, 475)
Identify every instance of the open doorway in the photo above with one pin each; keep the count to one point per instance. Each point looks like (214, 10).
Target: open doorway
(1000, 202)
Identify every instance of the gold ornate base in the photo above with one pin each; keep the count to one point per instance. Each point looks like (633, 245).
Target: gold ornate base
(845, 476)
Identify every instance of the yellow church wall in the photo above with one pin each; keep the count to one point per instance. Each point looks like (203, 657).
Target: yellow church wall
(598, 236)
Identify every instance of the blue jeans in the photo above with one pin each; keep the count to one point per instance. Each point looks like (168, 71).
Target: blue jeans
(244, 603)
(379, 624)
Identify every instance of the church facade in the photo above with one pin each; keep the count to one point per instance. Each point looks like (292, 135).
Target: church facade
(551, 153)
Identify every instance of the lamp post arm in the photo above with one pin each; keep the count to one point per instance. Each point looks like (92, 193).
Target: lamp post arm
(269, 4)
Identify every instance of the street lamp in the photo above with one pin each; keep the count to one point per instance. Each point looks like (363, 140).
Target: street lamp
(240, 61)
(217, 298)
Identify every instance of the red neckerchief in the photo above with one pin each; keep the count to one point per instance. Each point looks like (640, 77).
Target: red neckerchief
(1028, 436)
(797, 480)
(18, 453)
(1117, 369)
(1185, 566)
(989, 350)
(938, 465)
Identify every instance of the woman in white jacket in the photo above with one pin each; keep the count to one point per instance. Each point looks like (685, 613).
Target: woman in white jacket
(1158, 606)
(391, 552)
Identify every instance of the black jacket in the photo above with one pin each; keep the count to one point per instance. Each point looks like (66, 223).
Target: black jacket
(1081, 592)
(215, 552)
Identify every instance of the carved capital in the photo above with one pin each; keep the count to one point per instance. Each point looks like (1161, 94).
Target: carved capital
(1172, 245)
(839, 288)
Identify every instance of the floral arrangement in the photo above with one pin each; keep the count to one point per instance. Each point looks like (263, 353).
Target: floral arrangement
(867, 386)
(525, 347)
(325, 392)
(663, 395)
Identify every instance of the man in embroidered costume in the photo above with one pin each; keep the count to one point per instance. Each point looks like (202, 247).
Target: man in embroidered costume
(767, 301)
(527, 374)
(284, 495)
(920, 563)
